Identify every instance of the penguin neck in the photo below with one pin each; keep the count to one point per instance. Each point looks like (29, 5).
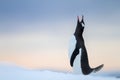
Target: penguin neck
(79, 37)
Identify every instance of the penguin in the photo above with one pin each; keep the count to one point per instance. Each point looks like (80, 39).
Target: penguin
(81, 49)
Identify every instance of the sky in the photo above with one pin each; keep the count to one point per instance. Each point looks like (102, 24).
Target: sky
(35, 34)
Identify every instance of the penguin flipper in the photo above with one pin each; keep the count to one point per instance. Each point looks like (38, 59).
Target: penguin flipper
(75, 53)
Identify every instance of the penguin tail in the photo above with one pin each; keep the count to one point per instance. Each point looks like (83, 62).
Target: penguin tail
(98, 68)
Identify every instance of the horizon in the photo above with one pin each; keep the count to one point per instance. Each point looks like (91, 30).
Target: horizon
(36, 33)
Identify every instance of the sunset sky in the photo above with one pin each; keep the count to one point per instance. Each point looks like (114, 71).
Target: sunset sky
(35, 34)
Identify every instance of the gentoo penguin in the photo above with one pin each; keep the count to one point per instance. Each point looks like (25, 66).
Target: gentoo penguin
(80, 48)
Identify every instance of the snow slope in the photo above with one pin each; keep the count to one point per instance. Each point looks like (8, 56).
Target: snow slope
(11, 72)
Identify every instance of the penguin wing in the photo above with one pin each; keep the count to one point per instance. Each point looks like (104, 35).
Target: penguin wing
(74, 54)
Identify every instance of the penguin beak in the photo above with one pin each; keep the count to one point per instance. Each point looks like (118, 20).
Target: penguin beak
(82, 21)
(78, 19)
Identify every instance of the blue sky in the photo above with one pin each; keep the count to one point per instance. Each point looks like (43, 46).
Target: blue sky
(30, 30)
(25, 12)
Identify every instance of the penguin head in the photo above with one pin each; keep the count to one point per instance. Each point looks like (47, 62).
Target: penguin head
(80, 26)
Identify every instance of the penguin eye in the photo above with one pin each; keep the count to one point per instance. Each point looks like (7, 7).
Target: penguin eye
(82, 24)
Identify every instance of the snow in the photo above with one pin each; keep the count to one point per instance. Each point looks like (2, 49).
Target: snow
(12, 72)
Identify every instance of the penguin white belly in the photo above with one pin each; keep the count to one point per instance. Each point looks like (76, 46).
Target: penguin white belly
(77, 62)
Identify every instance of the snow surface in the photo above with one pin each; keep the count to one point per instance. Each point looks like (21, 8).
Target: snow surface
(12, 72)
